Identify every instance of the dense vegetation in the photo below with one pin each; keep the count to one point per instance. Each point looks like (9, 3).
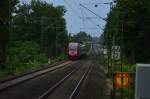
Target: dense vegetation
(31, 34)
(128, 26)
(80, 37)
(6, 8)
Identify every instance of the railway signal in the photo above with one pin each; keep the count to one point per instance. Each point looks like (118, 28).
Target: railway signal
(121, 80)
(115, 52)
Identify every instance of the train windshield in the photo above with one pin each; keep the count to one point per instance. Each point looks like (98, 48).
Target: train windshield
(73, 46)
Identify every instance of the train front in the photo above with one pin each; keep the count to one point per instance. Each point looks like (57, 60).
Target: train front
(73, 50)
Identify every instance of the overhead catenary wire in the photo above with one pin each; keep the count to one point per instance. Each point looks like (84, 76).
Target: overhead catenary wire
(76, 3)
(83, 21)
(96, 3)
(94, 23)
(87, 18)
(91, 21)
(82, 14)
(74, 11)
(78, 6)
(92, 28)
(104, 19)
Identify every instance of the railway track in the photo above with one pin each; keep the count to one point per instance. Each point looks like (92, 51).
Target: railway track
(25, 77)
(77, 88)
(40, 83)
(81, 79)
(83, 74)
(67, 82)
(45, 66)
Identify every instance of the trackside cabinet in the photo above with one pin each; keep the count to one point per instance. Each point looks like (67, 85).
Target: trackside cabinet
(142, 81)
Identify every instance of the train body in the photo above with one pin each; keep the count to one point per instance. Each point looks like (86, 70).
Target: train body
(76, 50)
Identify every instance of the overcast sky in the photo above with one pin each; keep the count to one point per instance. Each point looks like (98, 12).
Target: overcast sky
(76, 16)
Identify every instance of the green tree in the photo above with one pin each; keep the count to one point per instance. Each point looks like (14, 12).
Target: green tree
(81, 37)
(43, 23)
(128, 24)
(24, 55)
(6, 8)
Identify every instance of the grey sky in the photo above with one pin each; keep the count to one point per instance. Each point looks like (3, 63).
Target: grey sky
(75, 13)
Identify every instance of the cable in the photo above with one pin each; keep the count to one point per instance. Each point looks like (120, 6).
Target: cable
(83, 21)
(89, 18)
(93, 12)
(95, 24)
(78, 6)
(75, 3)
(76, 13)
(91, 21)
(96, 3)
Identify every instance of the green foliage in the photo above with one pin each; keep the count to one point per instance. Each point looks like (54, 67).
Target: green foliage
(30, 33)
(128, 24)
(6, 7)
(24, 56)
(43, 23)
(61, 57)
(80, 37)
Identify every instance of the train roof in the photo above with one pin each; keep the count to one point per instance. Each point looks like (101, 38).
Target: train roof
(73, 43)
(76, 44)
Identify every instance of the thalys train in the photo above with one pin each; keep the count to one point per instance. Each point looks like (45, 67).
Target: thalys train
(76, 50)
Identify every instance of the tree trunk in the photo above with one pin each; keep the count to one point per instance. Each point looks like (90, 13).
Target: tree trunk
(131, 56)
(2, 56)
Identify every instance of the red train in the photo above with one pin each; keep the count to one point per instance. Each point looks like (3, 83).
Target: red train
(76, 50)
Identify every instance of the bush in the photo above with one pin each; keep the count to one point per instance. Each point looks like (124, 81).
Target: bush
(61, 57)
(24, 56)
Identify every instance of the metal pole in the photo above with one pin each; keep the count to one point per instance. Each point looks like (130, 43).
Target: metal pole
(122, 23)
(113, 61)
(55, 39)
(42, 33)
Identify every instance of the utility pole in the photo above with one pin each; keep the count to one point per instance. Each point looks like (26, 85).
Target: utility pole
(56, 28)
(41, 33)
(55, 39)
(113, 91)
(45, 28)
(122, 25)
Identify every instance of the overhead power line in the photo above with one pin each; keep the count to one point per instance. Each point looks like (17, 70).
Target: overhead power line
(93, 12)
(96, 3)
(76, 4)
(90, 28)
(83, 14)
(95, 24)
(74, 11)
(87, 18)
(91, 21)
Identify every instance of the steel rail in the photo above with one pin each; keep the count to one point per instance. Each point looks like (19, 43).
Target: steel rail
(29, 76)
(76, 90)
(46, 66)
(47, 93)
(51, 89)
